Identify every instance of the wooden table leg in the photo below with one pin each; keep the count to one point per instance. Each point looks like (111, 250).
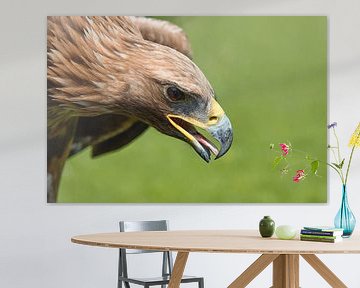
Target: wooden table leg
(293, 262)
(253, 270)
(324, 271)
(286, 271)
(178, 269)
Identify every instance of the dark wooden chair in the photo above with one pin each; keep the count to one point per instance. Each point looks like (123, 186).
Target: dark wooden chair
(167, 262)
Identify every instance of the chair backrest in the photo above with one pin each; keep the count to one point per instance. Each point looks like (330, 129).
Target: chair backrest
(135, 226)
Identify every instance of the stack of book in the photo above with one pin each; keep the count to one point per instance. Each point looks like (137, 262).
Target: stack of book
(321, 234)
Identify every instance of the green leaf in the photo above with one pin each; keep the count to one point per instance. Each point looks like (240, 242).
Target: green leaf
(336, 165)
(341, 164)
(315, 166)
(277, 161)
(271, 146)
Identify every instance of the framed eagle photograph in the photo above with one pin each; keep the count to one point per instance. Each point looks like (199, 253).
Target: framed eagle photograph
(186, 109)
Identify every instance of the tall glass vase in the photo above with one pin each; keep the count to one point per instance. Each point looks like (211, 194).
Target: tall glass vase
(345, 219)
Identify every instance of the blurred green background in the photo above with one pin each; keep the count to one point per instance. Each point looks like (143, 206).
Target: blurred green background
(270, 77)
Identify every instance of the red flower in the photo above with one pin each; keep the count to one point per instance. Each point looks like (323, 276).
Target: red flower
(284, 148)
(300, 174)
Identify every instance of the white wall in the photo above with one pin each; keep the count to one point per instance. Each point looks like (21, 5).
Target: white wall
(35, 248)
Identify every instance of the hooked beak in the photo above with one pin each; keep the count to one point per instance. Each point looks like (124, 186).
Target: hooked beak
(218, 125)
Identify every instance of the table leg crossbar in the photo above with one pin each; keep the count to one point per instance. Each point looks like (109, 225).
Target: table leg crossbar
(285, 271)
(254, 270)
(324, 271)
(178, 270)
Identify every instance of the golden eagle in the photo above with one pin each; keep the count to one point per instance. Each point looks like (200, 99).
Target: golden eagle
(109, 78)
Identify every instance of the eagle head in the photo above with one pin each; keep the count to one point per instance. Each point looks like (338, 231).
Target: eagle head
(170, 93)
(105, 66)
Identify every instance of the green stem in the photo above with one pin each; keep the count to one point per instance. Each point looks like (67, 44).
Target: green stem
(348, 167)
(339, 159)
(351, 155)
(337, 171)
(333, 152)
(338, 146)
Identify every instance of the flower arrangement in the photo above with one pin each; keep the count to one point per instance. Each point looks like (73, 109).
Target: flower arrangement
(310, 164)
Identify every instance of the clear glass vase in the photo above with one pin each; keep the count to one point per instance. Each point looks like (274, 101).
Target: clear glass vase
(345, 219)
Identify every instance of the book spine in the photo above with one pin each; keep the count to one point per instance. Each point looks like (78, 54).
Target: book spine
(319, 233)
(319, 236)
(318, 239)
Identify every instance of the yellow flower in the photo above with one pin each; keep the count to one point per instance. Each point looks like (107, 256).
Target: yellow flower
(355, 138)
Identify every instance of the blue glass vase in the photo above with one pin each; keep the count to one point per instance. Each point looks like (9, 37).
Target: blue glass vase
(345, 219)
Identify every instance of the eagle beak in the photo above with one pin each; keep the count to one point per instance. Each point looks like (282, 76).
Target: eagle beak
(218, 125)
(222, 132)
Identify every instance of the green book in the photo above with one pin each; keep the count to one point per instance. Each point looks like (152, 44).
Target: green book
(325, 240)
(319, 236)
(321, 233)
(323, 228)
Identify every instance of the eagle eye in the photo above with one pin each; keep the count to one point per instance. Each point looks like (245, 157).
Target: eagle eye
(175, 94)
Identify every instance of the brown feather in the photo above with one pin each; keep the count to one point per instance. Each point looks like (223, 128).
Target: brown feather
(164, 33)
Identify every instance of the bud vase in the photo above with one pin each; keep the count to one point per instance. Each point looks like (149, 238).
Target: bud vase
(266, 226)
(345, 219)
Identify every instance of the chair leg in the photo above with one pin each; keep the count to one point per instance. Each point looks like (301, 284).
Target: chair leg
(120, 273)
(201, 283)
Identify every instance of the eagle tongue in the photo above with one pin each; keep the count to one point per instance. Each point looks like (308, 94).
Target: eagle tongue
(205, 142)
